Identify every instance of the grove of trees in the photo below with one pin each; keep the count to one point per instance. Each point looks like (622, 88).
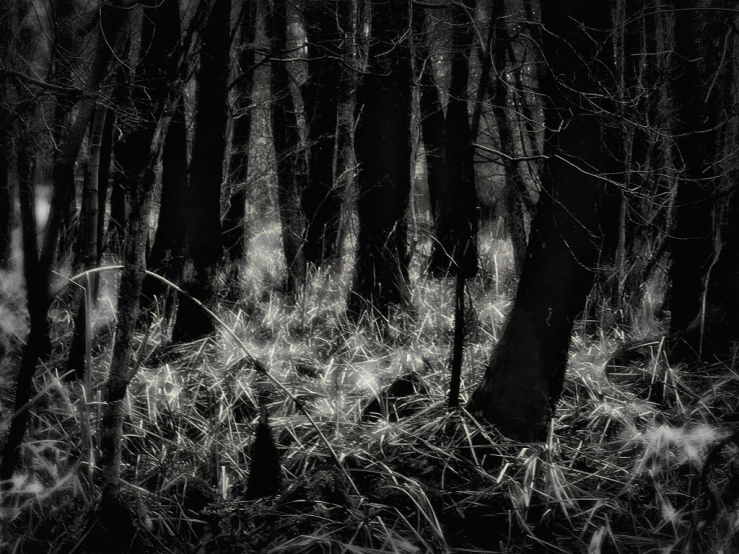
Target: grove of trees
(386, 139)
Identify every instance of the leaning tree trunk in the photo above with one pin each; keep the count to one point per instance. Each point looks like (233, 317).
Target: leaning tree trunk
(112, 19)
(322, 199)
(291, 162)
(234, 222)
(203, 199)
(455, 198)
(526, 373)
(383, 150)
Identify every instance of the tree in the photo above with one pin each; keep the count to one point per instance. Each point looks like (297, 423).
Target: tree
(524, 379)
(292, 166)
(450, 156)
(202, 208)
(168, 252)
(112, 19)
(383, 151)
(166, 70)
(234, 237)
(322, 199)
(702, 293)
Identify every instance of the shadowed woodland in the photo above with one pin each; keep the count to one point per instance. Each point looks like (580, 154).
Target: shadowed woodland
(363, 276)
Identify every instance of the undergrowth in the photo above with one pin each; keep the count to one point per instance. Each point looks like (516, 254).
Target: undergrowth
(641, 457)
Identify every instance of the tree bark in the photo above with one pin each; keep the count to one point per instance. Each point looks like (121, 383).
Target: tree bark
(322, 198)
(699, 112)
(167, 68)
(291, 162)
(112, 18)
(203, 200)
(515, 182)
(234, 222)
(526, 373)
(106, 154)
(87, 247)
(6, 202)
(383, 150)
(169, 250)
(37, 299)
(455, 220)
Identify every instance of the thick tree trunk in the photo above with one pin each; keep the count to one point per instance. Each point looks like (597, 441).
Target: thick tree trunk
(234, 222)
(455, 221)
(692, 241)
(526, 374)
(168, 253)
(383, 150)
(291, 162)
(6, 203)
(203, 200)
(322, 198)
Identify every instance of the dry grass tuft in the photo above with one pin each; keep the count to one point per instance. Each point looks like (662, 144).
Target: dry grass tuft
(621, 470)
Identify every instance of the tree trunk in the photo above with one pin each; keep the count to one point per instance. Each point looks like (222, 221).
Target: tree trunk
(6, 203)
(87, 247)
(322, 199)
(112, 19)
(37, 299)
(455, 221)
(291, 162)
(165, 72)
(203, 200)
(106, 154)
(526, 373)
(234, 222)
(168, 253)
(383, 150)
(692, 241)
(515, 182)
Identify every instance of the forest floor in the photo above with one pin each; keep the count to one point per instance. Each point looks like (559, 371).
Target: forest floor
(641, 457)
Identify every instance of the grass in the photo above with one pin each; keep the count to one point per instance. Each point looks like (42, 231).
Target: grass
(619, 472)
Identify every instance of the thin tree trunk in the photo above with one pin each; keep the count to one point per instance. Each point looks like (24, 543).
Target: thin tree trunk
(106, 154)
(291, 162)
(37, 299)
(88, 247)
(203, 200)
(166, 70)
(112, 20)
(383, 151)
